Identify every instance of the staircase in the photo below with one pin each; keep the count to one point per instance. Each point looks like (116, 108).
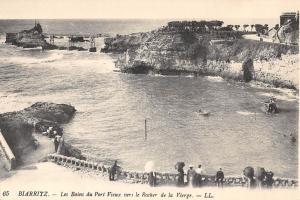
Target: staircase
(6, 156)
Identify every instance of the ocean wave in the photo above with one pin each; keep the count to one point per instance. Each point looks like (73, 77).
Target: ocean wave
(215, 78)
(246, 113)
(284, 96)
(2, 38)
(26, 60)
(59, 59)
(84, 62)
(179, 75)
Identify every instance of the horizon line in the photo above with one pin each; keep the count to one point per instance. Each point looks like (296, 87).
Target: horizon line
(141, 18)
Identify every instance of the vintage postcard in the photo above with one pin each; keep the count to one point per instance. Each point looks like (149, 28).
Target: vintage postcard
(149, 99)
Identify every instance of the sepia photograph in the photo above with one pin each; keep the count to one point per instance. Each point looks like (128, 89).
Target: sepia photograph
(149, 99)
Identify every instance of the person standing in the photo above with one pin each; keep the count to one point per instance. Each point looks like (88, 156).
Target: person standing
(152, 178)
(179, 166)
(191, 176)
(61, 146)
(198, 175)
(113, 171)
(56, 142)
(248, 174)
(260, 174)
(220, 178)
(269, 179)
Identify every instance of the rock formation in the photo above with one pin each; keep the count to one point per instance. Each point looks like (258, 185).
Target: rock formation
(177, 52)
(34, 37)
(28, 38)
(17, 127)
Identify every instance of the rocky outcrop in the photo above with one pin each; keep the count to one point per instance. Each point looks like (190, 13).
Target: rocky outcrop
(28, 38)
(121, 43)
(189, 52)
(17, 127)
(34, 37)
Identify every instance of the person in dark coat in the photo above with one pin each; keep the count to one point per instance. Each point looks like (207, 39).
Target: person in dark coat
(179, 166)
(268, 181)
(152, 179)
(220, 178)
(113, 171)
(248, 173)
(180, 177)
(56, 142)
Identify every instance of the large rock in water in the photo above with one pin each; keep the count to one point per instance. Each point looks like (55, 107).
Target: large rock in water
(31, 38)
(17, 127)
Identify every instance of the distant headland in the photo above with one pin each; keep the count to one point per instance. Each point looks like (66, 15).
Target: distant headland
(208, 48)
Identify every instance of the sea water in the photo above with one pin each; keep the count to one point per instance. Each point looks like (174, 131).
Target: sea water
(112, 107)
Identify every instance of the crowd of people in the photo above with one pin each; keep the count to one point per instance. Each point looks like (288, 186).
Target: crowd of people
(258, 178)
(194, 177)
(57, 136)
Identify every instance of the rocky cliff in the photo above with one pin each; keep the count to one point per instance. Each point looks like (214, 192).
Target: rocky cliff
(17, 127)
(189, 52)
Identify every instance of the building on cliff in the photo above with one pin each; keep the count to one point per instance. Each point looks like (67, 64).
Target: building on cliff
(289, 16)
(288, 30)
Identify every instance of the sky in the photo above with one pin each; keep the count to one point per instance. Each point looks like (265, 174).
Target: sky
(164, 9)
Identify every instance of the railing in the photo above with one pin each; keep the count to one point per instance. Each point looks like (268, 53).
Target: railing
(8, 156)
(161, 178)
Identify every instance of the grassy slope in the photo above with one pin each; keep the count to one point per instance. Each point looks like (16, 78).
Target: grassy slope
(241, 49)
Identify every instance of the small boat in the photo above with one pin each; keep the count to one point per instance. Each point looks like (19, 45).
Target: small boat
(270, 106)
(203, 112)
